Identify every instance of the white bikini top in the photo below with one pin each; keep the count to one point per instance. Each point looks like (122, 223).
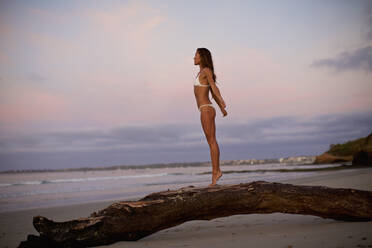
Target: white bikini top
(197, 83)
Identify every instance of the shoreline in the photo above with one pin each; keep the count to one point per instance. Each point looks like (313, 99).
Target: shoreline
(233, 231)
(306, 159)
(22, 197)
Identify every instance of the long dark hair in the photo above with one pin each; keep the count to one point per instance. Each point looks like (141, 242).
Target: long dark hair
(206, 60)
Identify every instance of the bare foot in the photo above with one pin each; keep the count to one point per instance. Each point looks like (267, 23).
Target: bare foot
(219, 174)
(215, 179)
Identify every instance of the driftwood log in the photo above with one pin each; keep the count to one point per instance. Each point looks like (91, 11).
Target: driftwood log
(133, 220)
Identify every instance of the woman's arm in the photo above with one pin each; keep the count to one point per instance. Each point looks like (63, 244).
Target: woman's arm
(215, 91)
(219, 100)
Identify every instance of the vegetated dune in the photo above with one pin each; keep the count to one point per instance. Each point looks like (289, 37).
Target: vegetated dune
(358, 151)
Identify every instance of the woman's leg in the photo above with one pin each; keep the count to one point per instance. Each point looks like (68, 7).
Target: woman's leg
(207, 117)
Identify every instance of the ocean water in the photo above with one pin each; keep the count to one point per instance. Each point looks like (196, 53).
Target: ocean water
(25, 190)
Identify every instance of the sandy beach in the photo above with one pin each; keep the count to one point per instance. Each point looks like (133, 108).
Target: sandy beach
(254, 230)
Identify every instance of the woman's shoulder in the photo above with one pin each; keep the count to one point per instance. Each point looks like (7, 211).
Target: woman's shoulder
(205, 71)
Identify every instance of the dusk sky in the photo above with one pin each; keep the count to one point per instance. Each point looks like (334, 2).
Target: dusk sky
(102, 83)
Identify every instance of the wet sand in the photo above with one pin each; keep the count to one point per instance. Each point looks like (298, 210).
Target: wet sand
(253, 230)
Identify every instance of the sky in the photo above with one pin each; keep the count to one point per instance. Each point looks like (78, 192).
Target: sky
(102, 83)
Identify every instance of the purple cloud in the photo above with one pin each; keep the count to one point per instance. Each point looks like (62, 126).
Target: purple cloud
(359, 59)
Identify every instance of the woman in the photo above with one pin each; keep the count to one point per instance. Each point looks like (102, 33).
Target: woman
(202, 85)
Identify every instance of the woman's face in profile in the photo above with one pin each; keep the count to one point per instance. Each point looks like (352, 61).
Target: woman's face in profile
(196, 58)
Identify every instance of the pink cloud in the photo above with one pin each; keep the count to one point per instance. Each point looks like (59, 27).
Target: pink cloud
(131, 22)
(30, 105)
(257, 84)
(4, 58)
(5, 29)
(52, 48)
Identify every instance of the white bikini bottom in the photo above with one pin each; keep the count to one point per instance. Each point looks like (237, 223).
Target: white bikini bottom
(209, 104)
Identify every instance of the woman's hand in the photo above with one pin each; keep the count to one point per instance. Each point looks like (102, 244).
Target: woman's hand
(223, 104)
(224, 113)
(222, 107)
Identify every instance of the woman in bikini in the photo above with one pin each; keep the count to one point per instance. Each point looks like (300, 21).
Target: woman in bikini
(205, 81)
